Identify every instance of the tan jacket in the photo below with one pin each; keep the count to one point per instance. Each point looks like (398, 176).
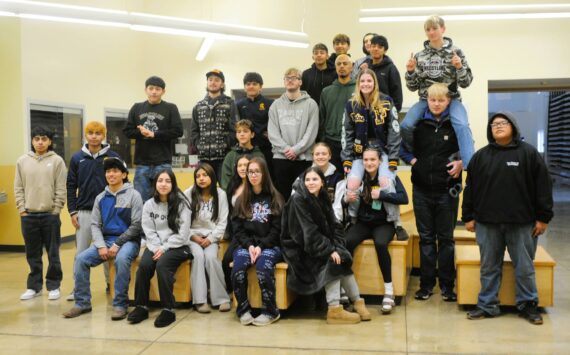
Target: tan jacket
(39, 184)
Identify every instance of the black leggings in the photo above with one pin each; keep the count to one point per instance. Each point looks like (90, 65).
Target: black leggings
(382, 236)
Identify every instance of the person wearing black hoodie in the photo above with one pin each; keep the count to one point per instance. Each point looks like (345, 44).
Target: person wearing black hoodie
(385, 70)
(320, 75)
(508, 203)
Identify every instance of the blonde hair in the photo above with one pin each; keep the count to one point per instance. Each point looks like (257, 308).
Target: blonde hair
(434, 21)
(438, 90)
(359, 100)
(95, 126)
(293, 71)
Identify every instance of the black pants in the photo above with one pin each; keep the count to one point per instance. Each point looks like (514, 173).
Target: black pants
(436, 216)
(286, 171)
(165, 268)
(382, 236)
(42, 230)
(336, 148)
(226, 261)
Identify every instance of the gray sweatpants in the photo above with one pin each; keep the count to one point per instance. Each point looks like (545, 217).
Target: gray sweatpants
(348, 283)
(206, 261)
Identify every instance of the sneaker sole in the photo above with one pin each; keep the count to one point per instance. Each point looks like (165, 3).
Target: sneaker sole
(264, 324)
(30, 297)
(535, 322)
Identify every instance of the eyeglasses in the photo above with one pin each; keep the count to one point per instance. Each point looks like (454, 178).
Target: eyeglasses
(500, 124)
(291, 78)
(253, 173)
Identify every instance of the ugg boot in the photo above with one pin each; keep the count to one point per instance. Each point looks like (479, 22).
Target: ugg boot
(361, 309)
(337, 315)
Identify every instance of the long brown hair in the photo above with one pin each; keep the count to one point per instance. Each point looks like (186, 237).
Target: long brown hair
(358, 98)
(197, 192)
(243, 204)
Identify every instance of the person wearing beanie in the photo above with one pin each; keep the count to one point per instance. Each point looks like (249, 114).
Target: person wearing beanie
(255, 107)
(116, 228)
(155, 125)
(321, 73)
(86, 180)
(39, 191)
(385, 70)
(213, 119)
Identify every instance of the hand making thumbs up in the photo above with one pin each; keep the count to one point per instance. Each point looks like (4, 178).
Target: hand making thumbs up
(456, 61)
(411, 64)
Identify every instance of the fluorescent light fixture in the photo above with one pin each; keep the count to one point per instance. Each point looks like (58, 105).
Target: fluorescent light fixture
(36, 10)
(204, 48)
(466, 12)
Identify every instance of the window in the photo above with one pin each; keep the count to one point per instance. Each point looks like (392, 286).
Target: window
(115, 121)
(65, 122)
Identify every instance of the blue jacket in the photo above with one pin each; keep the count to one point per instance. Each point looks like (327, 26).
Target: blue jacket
(86, 178)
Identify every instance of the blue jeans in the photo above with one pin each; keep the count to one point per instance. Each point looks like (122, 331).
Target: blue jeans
(436, 216)
(518, 239)
(90, 258)
(144, 176)
(459, 121)
(42, 230)
(265, 269)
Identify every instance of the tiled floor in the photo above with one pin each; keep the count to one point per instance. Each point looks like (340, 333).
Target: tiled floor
(431, 327)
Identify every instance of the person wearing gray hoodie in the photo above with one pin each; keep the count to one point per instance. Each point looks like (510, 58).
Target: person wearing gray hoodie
(293, 127)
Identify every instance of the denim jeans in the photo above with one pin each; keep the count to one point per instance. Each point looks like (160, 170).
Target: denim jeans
(90, 258)
(42, 230)
(265, 269)
(459, 121)
(518, 239)
(436, 216)
(144, 176)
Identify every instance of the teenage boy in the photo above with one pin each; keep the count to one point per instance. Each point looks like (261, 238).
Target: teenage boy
(86, 180)
(321, 74)
(361, 62)
(293, 127)
(386, 72)
(39, 190)
(439, 62)
(116, 229)
(341, 45)
(507, 203)
(331, 108)
(155, 124)
(213, 119)
(244, 136)
(436, 179)
(255, 107)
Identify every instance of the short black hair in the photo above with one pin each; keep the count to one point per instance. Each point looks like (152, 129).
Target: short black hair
(42, 131)
(155, 81)
(116, 163)
(380, 41)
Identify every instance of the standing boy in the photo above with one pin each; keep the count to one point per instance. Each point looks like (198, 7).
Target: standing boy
(86, 180)
(293, 127)
(321, 73)
(116, 229)
(341, 45)
(385, 70)
(39, 189)
(213, 118)
(155, 124)
(439, 62)
(507, 203)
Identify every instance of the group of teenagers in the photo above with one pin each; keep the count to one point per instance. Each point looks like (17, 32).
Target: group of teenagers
(264, 184)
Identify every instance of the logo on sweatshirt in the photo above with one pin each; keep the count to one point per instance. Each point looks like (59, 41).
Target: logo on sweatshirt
(260, 212)
(262, 106)
(512, 163)
(434, 67)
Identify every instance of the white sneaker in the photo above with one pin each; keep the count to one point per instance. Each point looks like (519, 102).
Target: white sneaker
(54, 294)
(29, 294)
(70, 297)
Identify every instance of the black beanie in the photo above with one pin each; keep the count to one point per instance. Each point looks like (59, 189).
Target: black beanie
(114, 162)
(252, 77)
(155, 81)
(380, 41)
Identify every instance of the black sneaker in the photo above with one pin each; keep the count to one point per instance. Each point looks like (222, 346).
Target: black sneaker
(423, 294)
(477, 313)
(164, 319)
(530, 311)
(401, 234)
(137, 315)
(449, 296)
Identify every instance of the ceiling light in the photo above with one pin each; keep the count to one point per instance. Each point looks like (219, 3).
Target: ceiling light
(204, 48)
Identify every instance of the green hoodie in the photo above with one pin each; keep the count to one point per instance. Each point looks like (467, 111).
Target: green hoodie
(331, 109)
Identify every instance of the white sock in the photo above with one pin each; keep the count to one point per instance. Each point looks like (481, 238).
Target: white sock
(388, 288)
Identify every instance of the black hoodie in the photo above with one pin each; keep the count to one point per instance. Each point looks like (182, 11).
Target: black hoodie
(507, 184)
(315, 80)
(388, 79)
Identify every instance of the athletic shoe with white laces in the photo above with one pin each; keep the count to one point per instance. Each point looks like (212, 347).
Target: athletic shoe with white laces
(54, 294)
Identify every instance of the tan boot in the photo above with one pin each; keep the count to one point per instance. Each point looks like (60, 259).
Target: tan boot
(361, 309)
(337, 315)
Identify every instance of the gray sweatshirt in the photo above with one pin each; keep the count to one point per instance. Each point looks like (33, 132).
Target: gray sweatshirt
(203, 224)
(293, 124)
(158, 233)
